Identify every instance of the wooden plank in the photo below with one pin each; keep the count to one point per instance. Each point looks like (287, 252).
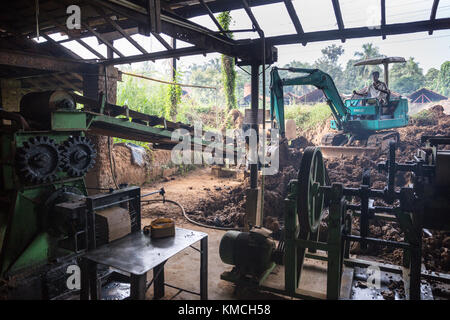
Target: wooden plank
(49, 63)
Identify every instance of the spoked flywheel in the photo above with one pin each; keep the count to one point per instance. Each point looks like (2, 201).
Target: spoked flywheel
(310, 201)
(38, 160)
(310, 204)
(78, 156)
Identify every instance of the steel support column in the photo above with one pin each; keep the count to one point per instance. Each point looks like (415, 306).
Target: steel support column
(254, 119)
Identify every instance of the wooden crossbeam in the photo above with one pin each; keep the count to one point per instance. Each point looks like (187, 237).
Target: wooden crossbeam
(167, 54)
(48, 63)
(362, 32)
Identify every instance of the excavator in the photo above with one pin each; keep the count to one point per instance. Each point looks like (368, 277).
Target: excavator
(361, 124)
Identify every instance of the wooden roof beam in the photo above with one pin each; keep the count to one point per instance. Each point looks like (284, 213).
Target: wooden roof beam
(119, 29)
(211, 15)
(102, 39)
(167, 54)
(362, 32)
(294, 17)
(338, 14)
(250, 14)
(433, 13)
(47, 63)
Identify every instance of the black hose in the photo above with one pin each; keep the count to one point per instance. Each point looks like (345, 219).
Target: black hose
(189, 219)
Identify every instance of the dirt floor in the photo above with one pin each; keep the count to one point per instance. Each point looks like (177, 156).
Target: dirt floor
(221, 203)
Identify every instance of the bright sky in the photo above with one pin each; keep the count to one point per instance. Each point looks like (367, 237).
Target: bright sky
(429, 51)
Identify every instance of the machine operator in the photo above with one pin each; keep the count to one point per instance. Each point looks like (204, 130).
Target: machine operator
(377, 89)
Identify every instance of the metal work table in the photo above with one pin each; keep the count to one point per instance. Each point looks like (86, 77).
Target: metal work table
(137, 254)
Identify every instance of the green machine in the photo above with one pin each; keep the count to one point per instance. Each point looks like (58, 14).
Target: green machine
(425, 204)
(44, 154)
(47, 219)
(364, 120)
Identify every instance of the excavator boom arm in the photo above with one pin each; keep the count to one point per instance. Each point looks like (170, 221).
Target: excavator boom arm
(314, 77)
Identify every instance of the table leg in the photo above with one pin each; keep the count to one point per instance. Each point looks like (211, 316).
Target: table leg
(138, 286)
(89, 286)
(204, 268)
(158, 276)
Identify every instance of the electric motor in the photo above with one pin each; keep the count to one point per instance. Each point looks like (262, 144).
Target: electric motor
(251, 252)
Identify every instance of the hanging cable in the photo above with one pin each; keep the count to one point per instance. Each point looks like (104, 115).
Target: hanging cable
(187, 217)
(167, 82)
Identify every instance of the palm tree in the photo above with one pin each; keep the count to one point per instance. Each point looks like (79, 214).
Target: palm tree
(369, 52)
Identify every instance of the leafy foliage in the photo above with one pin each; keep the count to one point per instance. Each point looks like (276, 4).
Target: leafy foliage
(307, 117)
(228, 72)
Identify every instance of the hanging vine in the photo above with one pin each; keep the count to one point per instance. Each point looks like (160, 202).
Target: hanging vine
(228, 72)
(173, 98)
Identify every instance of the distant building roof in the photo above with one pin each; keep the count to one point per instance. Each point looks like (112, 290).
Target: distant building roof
(425, 95)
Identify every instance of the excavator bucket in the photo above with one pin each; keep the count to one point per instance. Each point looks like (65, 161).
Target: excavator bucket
(340, 151)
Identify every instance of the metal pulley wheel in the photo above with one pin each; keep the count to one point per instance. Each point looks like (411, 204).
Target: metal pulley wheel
(78, 156)
(38, 160)
(311, 176)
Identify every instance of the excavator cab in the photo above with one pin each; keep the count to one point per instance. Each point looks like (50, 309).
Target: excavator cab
(378, 116)
(354, 120)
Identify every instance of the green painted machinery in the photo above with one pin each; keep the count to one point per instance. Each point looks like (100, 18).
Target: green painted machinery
(44, 155)
(354, 119)
(425, 204)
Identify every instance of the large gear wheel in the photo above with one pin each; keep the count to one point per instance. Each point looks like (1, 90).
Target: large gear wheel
(38, 160)
(78, 156)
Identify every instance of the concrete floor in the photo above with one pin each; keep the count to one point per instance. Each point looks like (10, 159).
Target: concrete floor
(183, 270)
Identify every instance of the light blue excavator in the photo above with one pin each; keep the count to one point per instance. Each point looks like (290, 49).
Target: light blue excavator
(361, 124)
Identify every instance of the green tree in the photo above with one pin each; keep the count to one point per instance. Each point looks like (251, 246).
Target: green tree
(328, 63)
(369, 51)
(228, 72)
(333, 52)
(444, 79)
(407, 77)
(432, 79)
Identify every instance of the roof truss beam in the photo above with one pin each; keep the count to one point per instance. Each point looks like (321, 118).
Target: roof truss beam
(338, 14)
(177, 27)
(220, 6)
(119, 29)
(433, 13)
(383, 15)
(252, 17)
(211, 15)
(294, 17)
(362, 32)
(47, 63)
(173, 53)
